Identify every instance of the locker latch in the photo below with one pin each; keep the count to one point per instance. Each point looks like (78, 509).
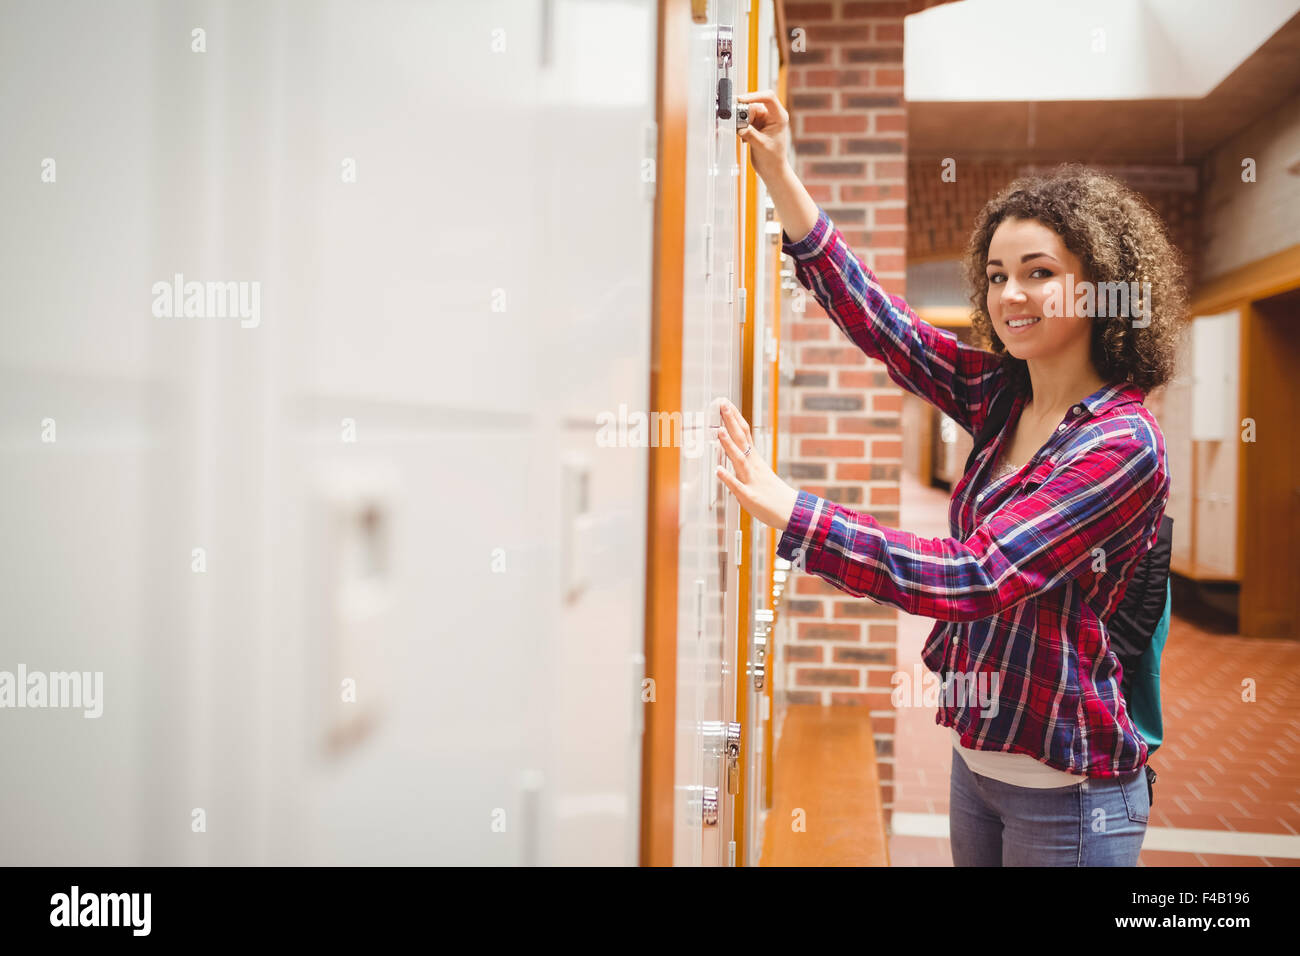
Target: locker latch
(762, 627)
(733, 757)
(710, 806)
(724, 72)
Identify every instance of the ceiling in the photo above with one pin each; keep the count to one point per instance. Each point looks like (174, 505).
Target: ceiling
(1141, 131)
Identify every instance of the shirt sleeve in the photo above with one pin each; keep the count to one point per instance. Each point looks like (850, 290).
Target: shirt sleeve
(1107, 497)
(926, 361)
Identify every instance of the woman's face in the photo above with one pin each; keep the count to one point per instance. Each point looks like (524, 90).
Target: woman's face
(1027, 269)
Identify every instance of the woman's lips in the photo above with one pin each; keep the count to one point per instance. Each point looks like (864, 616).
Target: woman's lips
(1013, 330)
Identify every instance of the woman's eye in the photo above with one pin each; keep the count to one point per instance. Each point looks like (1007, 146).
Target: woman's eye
(993, 279)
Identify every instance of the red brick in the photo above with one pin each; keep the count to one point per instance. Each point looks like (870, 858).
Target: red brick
(826, 355)
(880, 680)
(881, 448)
(853, 192)
(884, 633)
(840, 448)
(827, 676)
(887, 239)
(852, 378)
(885, 170)
(840, 78)
(834, 124)
(845, 699)
(887, 78)
(885, 402)
(874, 8)
(810, 332)
(852, 471)
(796, 12)
(889, 123)
(821, 192)
(857, 425)
(806, 424)
(858, 608)
(827, 34)
(884, 495)
(827, 631)
(889, 215)
(881, 263)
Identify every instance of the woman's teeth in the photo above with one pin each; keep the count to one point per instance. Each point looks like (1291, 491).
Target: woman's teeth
(1022, 323)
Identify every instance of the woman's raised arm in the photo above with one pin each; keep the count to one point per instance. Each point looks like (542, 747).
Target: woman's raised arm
(926, 361)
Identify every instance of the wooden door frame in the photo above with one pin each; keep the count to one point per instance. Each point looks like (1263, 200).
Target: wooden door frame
(658, 750)
(1239, 290)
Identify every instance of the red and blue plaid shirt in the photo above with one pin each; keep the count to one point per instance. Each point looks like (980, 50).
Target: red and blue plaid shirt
(1037, 560)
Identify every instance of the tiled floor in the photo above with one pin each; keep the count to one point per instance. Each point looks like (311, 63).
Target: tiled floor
(1227, 768)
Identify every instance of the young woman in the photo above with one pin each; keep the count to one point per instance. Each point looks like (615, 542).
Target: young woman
(1050, 521)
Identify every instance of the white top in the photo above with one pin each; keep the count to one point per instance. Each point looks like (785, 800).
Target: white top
(1019, 770)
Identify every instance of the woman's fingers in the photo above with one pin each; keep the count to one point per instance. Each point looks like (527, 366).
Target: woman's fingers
(736, 454)
(771, 105)
(757, 115)
(734, 425)
(740, 429)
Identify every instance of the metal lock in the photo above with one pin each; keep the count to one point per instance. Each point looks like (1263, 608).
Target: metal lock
(724, 68)
(762, 628)
(733, 757)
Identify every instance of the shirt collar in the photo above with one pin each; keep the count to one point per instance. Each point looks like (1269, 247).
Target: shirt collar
(1110, 396)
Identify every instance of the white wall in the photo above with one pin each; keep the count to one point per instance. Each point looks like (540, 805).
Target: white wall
(995, 50)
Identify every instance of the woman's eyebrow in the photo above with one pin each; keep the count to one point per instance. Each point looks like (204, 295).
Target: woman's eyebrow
(1025, 258)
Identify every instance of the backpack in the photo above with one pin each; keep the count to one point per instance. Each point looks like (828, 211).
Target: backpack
(1139, 625)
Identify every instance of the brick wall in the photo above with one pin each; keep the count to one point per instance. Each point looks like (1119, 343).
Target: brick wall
(850, 133)
(940, 215)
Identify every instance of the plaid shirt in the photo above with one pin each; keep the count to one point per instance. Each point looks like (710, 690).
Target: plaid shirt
(1036, 561)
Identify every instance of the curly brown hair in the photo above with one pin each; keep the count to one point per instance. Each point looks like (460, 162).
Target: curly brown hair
(1119, 238)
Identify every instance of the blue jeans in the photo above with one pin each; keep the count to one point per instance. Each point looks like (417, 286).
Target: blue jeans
(1100, 822)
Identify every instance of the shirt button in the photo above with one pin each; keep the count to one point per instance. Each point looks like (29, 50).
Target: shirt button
(1077, 409)
(1060, 427)
(980, 496)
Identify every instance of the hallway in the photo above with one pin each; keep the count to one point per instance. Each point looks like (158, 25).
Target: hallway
(1228, 777)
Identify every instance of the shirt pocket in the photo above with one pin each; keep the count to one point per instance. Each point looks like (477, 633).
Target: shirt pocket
(1037, 476)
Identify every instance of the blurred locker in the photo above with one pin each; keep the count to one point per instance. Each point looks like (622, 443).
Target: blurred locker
(364, 584)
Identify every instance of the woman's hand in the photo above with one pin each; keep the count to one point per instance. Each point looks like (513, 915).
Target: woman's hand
(755, 485)
(768, 134)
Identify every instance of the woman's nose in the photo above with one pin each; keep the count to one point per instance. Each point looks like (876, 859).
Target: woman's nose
(1012, 294)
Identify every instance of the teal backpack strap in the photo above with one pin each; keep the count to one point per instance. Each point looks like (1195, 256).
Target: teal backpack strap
(1144, 696)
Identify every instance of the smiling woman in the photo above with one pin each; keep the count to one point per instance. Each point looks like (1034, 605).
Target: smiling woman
(1078, 229)
(1041, 550)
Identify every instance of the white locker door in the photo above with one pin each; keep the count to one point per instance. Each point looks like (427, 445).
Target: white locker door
(709, 545)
